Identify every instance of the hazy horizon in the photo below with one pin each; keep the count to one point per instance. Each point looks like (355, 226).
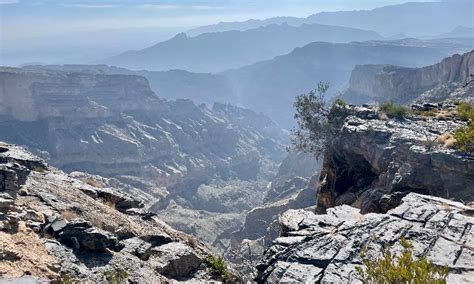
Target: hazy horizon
(55, 29)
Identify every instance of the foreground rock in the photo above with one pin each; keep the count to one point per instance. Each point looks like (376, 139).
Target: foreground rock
(374, 162)
(56, 227)
(326, 248)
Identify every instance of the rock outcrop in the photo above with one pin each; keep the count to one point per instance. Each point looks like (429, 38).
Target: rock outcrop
(451, 79)
(374, 162)
(326, 248)
(53, 228)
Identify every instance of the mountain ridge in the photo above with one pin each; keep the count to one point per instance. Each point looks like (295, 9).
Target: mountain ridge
(214, 52)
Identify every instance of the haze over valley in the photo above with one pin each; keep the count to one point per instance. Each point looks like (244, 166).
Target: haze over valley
(153, 141)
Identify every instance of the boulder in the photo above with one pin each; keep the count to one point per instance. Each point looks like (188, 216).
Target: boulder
(175, 260)
(80, 234)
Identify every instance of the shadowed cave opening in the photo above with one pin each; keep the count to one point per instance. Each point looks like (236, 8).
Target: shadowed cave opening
(353, 173)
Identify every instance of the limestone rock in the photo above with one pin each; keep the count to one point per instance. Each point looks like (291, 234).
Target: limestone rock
(374, 162)
(175, 260)
(77, 235)
(326, 248)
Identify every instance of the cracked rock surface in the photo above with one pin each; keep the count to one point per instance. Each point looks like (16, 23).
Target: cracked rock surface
(54, 226)
(326, 248)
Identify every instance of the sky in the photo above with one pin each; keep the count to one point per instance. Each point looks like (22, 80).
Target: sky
(23, 19)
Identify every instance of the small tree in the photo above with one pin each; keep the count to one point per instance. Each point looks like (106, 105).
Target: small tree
(314, 130)
(394, 110)
(403, 269)
(465, 135)
(219, 268)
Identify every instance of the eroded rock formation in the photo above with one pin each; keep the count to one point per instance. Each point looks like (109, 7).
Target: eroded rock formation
(53, 226)
(374, 162)
(450, 79)
(115, 126)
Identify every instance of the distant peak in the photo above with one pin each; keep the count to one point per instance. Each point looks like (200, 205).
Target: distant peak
(181, 36)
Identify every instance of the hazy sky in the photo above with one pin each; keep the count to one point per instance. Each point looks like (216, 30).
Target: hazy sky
(38, 18)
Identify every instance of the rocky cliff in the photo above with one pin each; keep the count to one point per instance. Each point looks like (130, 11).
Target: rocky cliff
(114, 126)
(446, 80)
(56, 227)
(326, 248)
(374, 161)
(381, 180)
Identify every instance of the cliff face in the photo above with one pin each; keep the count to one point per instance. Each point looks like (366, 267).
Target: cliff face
(381, 180)
(374, 162)
(113, 125)
(35, 95)
(432, 83)
(56, 227)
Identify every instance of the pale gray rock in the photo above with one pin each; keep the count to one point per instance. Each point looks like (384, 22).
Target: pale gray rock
(175, 260)
(326, 248)
(83, 237)
(372, 163)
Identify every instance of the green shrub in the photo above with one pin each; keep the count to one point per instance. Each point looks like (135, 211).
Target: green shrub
(340, 102)
(465, 135)
(116, 276)
(394, 110)
(218, 267)
(465, 138)
(403, 269)
(466, 111)
(64, 279)
(38, 169)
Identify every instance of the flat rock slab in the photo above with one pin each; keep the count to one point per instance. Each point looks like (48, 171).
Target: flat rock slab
(327, 247)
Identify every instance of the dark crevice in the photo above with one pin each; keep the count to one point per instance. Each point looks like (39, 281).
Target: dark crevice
(467, 229)
(353, 173)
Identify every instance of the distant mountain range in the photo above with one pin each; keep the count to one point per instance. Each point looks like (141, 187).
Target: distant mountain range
(458, 32)
(270, 86)
(414, 19)
(216, 52)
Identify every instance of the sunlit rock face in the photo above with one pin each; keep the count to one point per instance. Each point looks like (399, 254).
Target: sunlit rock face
(446, 80)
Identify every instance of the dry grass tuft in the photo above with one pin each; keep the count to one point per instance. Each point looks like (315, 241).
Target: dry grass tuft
(93, 183)
(69, 215)
(383, 116)
(447, 140)
(445, 115)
